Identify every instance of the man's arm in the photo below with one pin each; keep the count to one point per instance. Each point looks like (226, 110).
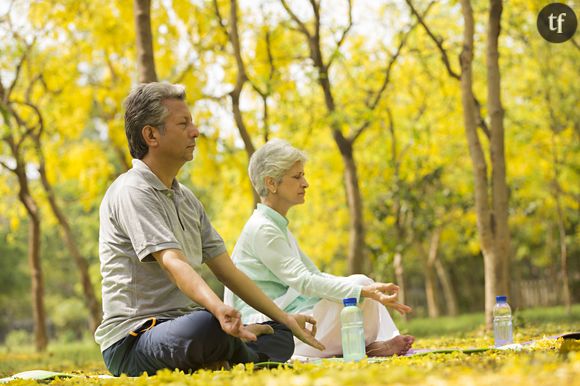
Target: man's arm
(225, 270)
(191, 284)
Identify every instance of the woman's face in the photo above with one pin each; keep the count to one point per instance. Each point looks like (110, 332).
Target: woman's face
(292, 189)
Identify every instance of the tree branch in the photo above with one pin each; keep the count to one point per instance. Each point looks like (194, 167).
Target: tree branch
(445, 58)
(220, 18)
(343, 36)
(17, 71)
(438, 41)
(301, 26)
(373, 105)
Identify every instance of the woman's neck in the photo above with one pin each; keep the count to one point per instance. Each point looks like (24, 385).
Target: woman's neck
(276, 205)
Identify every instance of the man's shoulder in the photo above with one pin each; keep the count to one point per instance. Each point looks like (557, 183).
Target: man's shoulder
(130, 181)
(127, 187)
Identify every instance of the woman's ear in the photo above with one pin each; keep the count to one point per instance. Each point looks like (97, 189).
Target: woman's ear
(271, 185)
(150, 134)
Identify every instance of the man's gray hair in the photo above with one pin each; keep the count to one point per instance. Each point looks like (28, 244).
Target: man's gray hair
(274, 159)
(143, 107)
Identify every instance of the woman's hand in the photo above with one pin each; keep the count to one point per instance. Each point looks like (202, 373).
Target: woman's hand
(386, 294)
(297, 324)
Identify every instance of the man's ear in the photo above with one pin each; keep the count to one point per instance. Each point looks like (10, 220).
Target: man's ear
(150, 135)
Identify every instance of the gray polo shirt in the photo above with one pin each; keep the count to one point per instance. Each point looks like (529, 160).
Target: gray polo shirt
(138, 216)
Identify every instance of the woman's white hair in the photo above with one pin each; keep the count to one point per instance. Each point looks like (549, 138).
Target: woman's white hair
(273, 160)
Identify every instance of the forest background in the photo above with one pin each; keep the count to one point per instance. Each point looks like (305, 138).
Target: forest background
(458, 179)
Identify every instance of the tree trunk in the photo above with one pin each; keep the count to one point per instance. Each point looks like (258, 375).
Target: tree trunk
(430, 279)
(36, 276)
(356, 243)
(91, 302)
(500, 199)
(483, 211)
(566, 296)
(398, 264)
(448, 290)
(145, 53)
(399, 226)
(241, 79)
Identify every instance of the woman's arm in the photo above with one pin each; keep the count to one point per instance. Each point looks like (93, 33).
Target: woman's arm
(226, 272)
(296, 270)
(285, 262)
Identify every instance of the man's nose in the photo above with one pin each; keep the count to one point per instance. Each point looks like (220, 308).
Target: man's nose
(194, 130)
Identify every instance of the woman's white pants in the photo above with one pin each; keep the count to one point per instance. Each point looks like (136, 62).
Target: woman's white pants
(378, 324)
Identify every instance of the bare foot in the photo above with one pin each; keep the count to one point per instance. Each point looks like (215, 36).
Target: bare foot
(399, 345)
(259, 329)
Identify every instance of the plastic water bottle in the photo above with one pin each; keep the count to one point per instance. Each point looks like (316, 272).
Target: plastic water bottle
(353, 335)
(502, 322)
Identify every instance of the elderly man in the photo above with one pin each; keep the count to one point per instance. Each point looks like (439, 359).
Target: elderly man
(153, 234)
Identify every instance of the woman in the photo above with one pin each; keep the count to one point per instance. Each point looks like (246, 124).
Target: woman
(268, 253)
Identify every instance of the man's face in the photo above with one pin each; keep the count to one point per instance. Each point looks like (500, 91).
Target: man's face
(178, 140)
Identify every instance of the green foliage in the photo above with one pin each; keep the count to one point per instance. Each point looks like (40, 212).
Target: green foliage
(18, 338)
(70, 318)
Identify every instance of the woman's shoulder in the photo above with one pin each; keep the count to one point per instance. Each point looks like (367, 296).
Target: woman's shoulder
(258, 222)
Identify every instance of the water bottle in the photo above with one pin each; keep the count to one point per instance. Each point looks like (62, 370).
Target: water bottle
(353, 335)
(502, 322)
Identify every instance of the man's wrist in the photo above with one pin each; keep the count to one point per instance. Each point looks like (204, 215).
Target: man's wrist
(215, 307)
(286, 319)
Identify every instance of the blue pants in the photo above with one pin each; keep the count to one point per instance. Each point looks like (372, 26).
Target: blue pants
(189, 342)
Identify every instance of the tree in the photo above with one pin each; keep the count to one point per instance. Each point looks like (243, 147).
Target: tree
(344, 141)
(16, 132)
(491, 194)
(90, 299)
(145, 53)
(241, 78)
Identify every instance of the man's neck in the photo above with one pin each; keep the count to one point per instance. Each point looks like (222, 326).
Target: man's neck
(165, 171)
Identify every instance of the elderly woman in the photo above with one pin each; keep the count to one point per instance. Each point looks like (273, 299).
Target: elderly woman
(268, 253)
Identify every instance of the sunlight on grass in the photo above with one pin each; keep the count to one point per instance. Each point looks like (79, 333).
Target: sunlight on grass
(541, 364)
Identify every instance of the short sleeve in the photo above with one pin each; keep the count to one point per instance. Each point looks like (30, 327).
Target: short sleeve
(212, 244)
(142, 218)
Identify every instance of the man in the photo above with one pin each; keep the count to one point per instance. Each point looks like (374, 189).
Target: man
(153, 234)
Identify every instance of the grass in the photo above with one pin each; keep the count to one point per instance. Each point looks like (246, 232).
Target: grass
(549, 318)
(543, 364)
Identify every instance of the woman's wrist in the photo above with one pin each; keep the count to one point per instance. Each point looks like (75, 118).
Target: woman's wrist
(366, 292)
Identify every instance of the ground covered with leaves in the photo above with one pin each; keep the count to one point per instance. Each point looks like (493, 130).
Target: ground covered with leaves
(548, 361)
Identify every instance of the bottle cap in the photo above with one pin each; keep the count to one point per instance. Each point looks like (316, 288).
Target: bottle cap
(501, 299)
(349, 302)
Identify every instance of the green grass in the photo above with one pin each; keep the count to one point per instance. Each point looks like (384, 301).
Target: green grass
(552, 319)
(540, 365)
(83, 355)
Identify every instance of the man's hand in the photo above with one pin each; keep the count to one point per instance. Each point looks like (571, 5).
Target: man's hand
(231, 322)
(297, 324)
(386, 294)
